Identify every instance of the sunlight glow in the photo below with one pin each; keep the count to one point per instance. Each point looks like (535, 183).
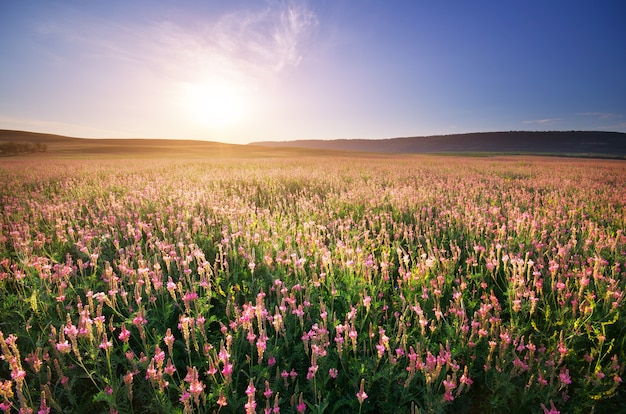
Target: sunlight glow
(215, 104)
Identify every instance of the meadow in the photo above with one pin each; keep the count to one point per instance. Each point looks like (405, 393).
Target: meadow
(414, 284)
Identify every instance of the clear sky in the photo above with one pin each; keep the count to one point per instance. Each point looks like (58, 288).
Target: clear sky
(243, 71)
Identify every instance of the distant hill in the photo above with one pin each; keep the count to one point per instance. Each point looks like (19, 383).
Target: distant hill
(62, 146)
(575, 143)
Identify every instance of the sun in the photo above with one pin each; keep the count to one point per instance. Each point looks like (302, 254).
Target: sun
(215, 104)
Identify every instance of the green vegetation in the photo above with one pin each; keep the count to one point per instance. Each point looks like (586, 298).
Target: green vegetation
(416, 284)
(15, 148)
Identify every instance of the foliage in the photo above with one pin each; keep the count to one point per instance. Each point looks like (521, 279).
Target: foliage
(417, 285)
(15, 148)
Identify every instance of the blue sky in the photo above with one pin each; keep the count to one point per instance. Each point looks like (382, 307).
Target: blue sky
(243, 71)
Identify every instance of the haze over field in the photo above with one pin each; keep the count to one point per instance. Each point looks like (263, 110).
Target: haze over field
(245, 71)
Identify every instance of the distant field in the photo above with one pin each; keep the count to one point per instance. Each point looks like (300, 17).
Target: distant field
(311, 284)
(576, 144)
(66, 147)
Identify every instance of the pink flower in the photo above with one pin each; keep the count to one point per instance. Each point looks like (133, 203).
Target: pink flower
(227, 370)
(333, 372)
(541, 380)
(171, 286)
(170, 369)
(564, 376)
(449, 384)
(381, 350)
(352, 333)
(465, 379)
(212, 368)
(139, 320)
(185, 396)
(361, 395)
(169, 338)
(250, 390)
(63, 347)
(128, 378)
(124, 335)
(105, 344)
(261, 346)
(223, 355)
(196, 387)
(151, 372)
(276, 408)
(250, 406)
(552, 410)
(221, 401)
(311, 373)
(18, 374)
(159, 356)
(70, 330)
(190, 296)
(43, 409)
(301, 405)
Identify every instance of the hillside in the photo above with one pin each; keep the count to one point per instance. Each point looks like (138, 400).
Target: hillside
(62, 146)
(577, 143)
(573, 143)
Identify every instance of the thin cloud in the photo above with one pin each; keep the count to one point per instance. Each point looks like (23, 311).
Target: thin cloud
(296, 23)
(546, 121)
(155, 63)
(607, 121)
(602, 115)
(242, 42)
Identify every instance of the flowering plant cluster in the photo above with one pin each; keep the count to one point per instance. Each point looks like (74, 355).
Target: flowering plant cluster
(323, 285)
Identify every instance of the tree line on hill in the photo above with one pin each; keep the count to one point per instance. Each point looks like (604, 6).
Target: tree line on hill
(581, 143)
(16, 148)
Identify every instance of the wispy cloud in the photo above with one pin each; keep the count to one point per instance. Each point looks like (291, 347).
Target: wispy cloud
(163, 69)
(607, 121)
(270, 39)
(240, 42)
(545, 121)
(601, 115)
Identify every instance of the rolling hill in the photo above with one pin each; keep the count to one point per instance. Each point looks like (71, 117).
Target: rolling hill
(62, 146)
(573, 143)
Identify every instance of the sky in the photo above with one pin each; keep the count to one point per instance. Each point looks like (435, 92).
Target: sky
(243, 71)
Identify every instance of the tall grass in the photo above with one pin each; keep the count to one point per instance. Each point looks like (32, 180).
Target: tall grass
(318, 285)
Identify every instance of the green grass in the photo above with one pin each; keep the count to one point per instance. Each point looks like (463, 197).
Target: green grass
(431, 284)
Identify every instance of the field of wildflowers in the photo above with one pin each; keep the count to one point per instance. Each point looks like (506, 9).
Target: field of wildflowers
(409, 284)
